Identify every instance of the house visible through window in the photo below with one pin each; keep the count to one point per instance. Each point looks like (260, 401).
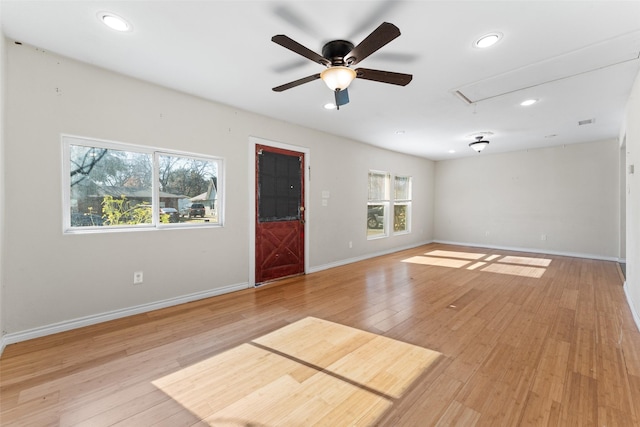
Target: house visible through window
(110, 186)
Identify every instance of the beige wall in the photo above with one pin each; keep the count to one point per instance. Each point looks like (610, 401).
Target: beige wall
(52, 278)
(2, 216)
(631, 133)
(568, 194)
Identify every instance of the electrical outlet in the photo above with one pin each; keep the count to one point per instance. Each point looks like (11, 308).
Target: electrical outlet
(543, 237)
(137, 278)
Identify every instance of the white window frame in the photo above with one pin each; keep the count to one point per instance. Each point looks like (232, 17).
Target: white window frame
(385, 202)
(403, 202)
(155, 153)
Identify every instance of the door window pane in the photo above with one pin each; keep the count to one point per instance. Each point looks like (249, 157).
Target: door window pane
(279, 192)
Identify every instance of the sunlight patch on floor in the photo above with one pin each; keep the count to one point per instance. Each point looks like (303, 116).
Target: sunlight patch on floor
(476, 265)
(442, 262)
(456, 254)
(539, 262)
(516, 270)
(308, 372)
(512, 265)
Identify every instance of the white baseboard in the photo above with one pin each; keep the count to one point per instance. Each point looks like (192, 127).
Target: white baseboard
(16, 337)
(363, 257)
(68, 325)
(530, 250)
(632, 306)
(473, 245)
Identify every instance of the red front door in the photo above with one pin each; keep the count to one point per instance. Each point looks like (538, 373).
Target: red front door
(279, 213)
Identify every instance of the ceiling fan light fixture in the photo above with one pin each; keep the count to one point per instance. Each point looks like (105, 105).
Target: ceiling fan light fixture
(338, 77)
(478, 145)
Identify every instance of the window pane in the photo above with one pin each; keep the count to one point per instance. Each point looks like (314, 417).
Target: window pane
(188, 189)
(400, 214)
(109, 187)
(113, 186)
(377, 208)
(375, 220)
(402, 188)
(378, 187)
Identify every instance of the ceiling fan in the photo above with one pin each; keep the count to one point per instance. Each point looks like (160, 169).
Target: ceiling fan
(339, 56)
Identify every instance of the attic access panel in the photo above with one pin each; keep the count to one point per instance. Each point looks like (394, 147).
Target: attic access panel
(612, 53)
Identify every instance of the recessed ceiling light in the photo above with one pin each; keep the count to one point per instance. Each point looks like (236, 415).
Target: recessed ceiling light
(330, 106)
(488, 40)
(452, 151)
(114, 21)
(528, 102)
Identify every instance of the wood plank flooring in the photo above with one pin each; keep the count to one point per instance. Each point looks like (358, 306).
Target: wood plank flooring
(311, 372)
(526, 339)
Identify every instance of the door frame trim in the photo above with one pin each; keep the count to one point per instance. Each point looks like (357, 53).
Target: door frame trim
(253, 141)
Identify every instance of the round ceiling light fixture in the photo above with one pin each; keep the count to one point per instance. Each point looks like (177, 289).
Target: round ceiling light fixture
(115, 22)
(478, 145)
(528, 102)
(488, 40)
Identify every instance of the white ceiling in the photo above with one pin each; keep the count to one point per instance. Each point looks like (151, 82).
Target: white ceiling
(579, 58)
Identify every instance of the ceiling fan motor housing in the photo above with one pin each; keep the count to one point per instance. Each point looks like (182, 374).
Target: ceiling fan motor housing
(336, 50)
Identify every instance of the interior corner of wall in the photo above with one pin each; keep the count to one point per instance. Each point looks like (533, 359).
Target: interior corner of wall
(633, 305)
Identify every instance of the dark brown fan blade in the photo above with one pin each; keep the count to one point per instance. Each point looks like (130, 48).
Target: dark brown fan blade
(296, 83)
(296, 47)
(399, 79)
(374, 41)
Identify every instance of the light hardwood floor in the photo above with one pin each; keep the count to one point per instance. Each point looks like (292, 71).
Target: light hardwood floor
(526, 339)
